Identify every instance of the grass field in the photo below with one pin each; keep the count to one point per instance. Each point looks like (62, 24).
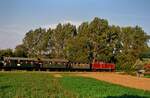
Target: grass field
(47, 85)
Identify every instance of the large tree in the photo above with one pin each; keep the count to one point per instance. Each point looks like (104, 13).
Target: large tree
(134, 41)
(32, 42)
(60, 36)
(91, 40)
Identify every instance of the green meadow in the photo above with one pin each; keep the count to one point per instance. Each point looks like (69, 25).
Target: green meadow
(47, 85)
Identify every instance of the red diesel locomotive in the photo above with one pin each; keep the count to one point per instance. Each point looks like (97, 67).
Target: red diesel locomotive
(102, 66)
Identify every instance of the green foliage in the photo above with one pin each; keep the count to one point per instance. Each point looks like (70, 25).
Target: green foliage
(76, 50)
(33, 42)
(91, 40)
(145, 54)
(20, 51)
(60, 37)
(6, 52)
(147, 76)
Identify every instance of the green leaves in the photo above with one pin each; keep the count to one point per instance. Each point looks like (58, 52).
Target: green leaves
(91, 40)
(33, 42)
(20, 51)
(6, 52)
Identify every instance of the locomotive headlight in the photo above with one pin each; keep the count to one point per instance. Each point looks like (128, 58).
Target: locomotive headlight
(18, 65)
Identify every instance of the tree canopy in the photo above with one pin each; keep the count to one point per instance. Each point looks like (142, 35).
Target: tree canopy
(91, 40)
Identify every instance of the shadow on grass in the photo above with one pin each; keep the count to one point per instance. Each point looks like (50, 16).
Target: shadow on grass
(5, 87)
(127, 96)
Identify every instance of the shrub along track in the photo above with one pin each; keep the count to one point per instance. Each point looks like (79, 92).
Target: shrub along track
(125, 80)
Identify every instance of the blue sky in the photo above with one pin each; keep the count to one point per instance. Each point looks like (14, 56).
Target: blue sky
(19, 16)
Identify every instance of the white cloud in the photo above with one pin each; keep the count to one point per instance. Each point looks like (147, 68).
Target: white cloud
(53, 26)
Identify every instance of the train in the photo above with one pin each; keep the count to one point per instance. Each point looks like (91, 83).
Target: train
(19, 63)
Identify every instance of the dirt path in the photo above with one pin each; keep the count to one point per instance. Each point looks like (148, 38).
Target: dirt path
(57, 75)
(125, 80)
